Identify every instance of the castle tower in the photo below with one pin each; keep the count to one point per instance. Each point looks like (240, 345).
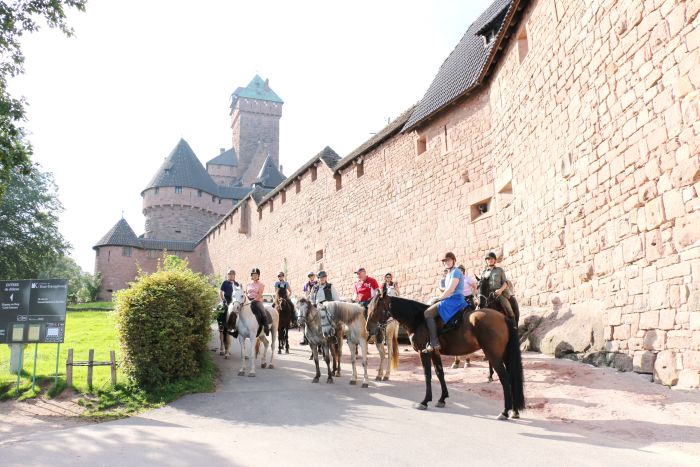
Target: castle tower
(255, 117)
(182, 201)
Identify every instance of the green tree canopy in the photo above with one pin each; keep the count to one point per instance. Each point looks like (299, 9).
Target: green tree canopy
(17, 18)
(29, 236)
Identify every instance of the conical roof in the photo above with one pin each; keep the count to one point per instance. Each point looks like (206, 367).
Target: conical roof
(120, 234)
(269, 176)
(183, 168)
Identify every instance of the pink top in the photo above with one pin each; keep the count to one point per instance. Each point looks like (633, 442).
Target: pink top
(254, 291)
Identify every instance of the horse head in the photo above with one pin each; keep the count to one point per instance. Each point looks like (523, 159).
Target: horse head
(327, 321)
(378, 313)
(305, 311)
(234, 308)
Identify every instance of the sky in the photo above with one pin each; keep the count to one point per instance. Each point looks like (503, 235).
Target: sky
(109, 104)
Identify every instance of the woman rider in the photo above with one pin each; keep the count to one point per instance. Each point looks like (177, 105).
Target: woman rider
(254, 292)
(389, 287)
(450, 302)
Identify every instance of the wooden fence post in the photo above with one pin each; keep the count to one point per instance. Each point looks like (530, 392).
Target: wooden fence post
(91, 358)
(113, 367)
(69, 369)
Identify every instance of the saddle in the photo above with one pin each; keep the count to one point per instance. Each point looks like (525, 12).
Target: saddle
(268, 316)
(456, 321)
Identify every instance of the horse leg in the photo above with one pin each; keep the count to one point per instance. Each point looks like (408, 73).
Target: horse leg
(279, 344)
(326, 357)
(440, 372)
(504, 377)
(353, 349)
(456, 363)
(222, 342)
(286, 340)
(253, 355)
(363, 344)
(272, 351)
(314, 352)
(382, 359)
(490, 372)
(241, 340)
(227, 346)
(425, 361)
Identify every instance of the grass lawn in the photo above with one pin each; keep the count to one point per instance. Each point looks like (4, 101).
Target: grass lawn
(96, 330)
(91, 306)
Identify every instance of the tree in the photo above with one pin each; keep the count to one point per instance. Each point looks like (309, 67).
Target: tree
(29, 236)
(17, 18)
(65, 267)
(90, 287)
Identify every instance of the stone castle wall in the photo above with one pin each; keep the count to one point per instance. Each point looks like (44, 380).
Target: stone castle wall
(583, 147)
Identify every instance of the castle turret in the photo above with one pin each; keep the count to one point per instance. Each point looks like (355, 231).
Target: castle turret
(255, 114)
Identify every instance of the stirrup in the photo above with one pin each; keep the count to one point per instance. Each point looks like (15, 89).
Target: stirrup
(429, 348)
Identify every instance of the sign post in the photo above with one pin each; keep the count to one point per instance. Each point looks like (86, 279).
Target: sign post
(32, 312)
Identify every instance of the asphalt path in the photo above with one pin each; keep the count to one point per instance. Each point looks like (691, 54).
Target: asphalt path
(280, 417)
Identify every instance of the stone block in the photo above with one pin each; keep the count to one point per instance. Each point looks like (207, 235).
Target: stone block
(649, 319)
(688, 379)
(667, 319)
(691, 359)
(621, 332)
(673, 204)
(654, 340)
(643, 361)
(665, 371)
(686, 172)
(694, 321)
(654, 213)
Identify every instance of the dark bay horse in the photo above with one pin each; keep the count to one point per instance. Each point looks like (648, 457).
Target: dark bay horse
(286, 311)
(484, 329)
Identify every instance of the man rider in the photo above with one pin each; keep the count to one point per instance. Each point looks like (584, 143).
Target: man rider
(226, 296)
(498, 284)
(366, 288)
(323, 291)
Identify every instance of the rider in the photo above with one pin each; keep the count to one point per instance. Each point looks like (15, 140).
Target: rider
(498, 284)
(469, 288)
(254, 292)
(282, 290)
(366, 288)
(450, 302)
(308, 287)
(323, 291)
(226, 294)
(389, 287)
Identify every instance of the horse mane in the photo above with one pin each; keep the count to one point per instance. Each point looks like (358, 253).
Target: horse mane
(410, 312)
(345, 312)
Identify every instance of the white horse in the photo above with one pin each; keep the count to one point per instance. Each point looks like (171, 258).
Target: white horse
(310, 320)
(353, 318)
(240, 316)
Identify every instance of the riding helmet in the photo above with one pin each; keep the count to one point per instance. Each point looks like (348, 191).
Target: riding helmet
(322, 274)
(255, 271)
(491, 255)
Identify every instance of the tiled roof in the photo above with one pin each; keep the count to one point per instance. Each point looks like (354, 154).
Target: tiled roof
(225, 158)
(120, 234)
(233, 192)
(256, 89)
(328, 156)
(269, 176)
(170, 245)
(468, 63)
(386, 132)
(182, 168)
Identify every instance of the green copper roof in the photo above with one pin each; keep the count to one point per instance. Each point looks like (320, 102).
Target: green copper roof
(257, 89)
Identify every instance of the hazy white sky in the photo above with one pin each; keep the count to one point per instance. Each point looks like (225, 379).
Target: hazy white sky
(107, 106)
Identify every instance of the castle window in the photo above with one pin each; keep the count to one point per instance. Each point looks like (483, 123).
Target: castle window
(272, 205)
(213, 199)
(360, 168)
(199, 193)
(421, 145)
(157, 189)
(319, 255)
(523, 45)
(178, 231)
(97, 252)
(109, 255)
(338, 181)
(259, 214)
(297, 185)
(480, 209)
(314, 173)
(126, 251)
(178, 190)
(219, 200)
(284, 196)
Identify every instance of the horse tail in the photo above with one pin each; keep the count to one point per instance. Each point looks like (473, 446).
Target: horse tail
(514, 365)
(257, 346)
(395, 350)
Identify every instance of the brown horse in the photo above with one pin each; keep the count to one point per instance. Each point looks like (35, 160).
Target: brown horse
(484, 329)
(286, 311)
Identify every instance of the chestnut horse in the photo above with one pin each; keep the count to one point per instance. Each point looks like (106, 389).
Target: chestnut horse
(484, 329)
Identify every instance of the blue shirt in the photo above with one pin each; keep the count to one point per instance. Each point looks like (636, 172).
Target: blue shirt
(455, 273)
(227, 288)
(283, 286)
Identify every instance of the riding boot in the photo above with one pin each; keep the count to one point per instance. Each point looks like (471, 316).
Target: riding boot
(432, 330)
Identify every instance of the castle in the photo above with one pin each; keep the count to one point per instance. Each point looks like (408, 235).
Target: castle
(561, 135)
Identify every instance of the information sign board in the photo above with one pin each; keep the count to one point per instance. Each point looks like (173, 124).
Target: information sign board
(33, 311)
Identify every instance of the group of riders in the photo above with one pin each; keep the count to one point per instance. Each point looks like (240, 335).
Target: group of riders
(457, 293)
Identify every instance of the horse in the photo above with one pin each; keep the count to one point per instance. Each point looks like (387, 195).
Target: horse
(286, 311)
(389, 333)
(241, 317)
(352, 317)
(310, 319)
(484, 329)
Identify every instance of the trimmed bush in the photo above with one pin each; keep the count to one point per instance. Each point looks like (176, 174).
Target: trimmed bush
(163, 322)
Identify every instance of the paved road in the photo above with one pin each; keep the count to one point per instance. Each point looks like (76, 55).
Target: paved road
(280, 417)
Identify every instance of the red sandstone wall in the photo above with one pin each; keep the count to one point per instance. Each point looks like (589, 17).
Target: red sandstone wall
(595, 129)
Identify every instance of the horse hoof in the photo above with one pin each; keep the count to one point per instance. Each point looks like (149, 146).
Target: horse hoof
(365, 385)
(386, 378)
(279, 352)
(454, 365)
(490, 379)
(353, 382)
(247, 358)
(329, 381)
(225, 357)
(439, 404)
(516, 414)
(252, 375)
(241, 373)
(264, 365)
(270, 366)
(421, 406)
(502, 416)
(286, 351)
(467, 365)
(378, 378)
(315, 380)
(221, 352)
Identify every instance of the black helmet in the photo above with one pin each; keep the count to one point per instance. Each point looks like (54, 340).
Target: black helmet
(491, 255)
(322, 274)
(255, 271)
